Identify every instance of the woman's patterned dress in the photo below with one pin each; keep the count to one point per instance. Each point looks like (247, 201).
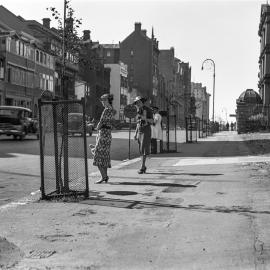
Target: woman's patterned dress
(102, 156)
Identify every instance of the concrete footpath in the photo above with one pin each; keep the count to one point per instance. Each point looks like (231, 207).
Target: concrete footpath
(206, 207)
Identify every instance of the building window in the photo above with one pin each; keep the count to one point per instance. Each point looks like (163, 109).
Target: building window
(37, 56)
(8, 44)
(17, 47)
(21, 49)
(45, 59)
(108, 53)
(41, 57)
(131, 53)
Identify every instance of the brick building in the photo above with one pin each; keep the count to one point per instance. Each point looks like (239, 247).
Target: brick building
(52, 43)
(264, 58)
(111, 53)
(94, 74)
(201, 100)
(140, 53)
(185, 81)
(119, 88)
(27, 69)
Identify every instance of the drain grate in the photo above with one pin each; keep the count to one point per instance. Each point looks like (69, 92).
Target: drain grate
(40, 254)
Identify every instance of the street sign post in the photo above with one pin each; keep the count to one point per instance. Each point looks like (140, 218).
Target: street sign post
(130, 111)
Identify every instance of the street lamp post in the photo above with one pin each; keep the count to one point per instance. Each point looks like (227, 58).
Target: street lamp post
(214, 77)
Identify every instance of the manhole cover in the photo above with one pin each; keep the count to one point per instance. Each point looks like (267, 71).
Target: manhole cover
(122, 193)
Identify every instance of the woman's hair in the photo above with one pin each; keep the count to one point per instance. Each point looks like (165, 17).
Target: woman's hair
(109, 97)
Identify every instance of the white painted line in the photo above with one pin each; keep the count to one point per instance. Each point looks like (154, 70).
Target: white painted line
(221, 160)
(118, 166)
(125, 163)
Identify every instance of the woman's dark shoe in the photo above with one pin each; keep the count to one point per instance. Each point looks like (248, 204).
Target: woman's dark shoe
(105, 179)
(142, 170)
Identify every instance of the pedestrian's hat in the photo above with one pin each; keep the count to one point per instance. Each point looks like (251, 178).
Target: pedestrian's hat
(154, 108)
(142, 99)
(106, 97)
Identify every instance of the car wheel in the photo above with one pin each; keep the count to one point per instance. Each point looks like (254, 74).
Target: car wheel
(15, 137)
(21, 137)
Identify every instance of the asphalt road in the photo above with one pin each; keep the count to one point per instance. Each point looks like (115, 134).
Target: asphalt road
(20, 167)
(30, 145)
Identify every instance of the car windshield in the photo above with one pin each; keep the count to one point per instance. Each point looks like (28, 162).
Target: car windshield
(75, 117)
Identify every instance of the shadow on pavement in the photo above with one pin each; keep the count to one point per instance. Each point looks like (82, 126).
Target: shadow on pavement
(136, 204)
(220, 149)
(6, 155)
(191, 174)
(153, 184)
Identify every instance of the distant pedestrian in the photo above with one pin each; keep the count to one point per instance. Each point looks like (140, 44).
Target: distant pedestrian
(156, 130)
(143, 130)
(101, 150)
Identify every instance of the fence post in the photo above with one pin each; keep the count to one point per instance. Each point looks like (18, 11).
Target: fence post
(58, 190)
(85, 149)
(168, 130)
(65, 143)
(186, 120)
(191, 128)
(41, 150)
(175, 133)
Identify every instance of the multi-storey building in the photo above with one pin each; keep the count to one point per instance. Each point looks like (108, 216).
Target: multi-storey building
(166, 64)
(185, 81)
(52, 43)
(140, 53)
(177, 75)
(118, 79)
(161, 101)
(94, 74)
(119, 88)
(264, 58)
(201, 100)
(27, 69)
(111, 53)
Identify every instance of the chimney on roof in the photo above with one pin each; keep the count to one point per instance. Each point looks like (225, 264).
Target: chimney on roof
(144, 32)
(138, 26)
(86, 35)
(46, 22)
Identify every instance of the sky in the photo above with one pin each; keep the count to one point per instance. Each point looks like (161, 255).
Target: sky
(225, 31)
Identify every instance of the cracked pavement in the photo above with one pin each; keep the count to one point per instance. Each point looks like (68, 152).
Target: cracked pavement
(179, 215)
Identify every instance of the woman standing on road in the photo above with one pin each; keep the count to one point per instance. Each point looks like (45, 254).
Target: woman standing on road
(143, 130)
(101, 150)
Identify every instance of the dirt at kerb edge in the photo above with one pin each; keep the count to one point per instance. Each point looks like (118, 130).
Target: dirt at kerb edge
(10, 254)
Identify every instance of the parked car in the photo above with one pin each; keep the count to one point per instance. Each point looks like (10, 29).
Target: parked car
(75, 124)
(17, 122)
